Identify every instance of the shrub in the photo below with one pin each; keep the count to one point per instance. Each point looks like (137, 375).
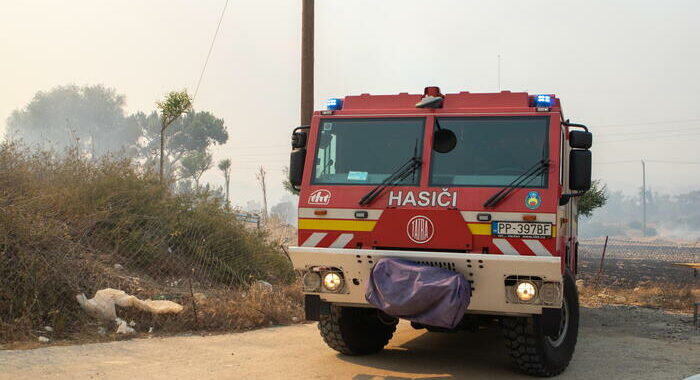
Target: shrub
(65, 221)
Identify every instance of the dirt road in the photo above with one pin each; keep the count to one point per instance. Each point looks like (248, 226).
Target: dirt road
(614, 343)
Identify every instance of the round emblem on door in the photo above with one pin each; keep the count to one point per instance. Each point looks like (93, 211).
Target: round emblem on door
(533, 200)
(420, 229)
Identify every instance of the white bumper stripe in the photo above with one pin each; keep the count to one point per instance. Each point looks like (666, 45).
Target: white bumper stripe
(338, 213)
(342, 241)
(314, 239)
(505, 247)
(537, 247)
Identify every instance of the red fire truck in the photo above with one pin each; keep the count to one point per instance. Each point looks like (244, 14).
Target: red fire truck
(482, 184)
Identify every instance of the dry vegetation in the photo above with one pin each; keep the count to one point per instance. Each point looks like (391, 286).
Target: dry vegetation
(69, 225)
(640, 273)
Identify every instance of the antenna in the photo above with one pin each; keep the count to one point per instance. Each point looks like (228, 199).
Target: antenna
(499, 73)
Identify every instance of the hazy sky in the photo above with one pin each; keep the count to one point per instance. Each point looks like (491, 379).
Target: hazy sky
(628, 69)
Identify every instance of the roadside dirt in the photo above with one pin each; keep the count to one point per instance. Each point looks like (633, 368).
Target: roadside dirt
(619, 342)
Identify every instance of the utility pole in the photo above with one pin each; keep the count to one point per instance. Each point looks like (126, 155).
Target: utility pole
(307, 61)
(644, 199)
(260, 176)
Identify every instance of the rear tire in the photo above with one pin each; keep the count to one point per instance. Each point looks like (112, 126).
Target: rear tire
(356, 331)
(537, 354)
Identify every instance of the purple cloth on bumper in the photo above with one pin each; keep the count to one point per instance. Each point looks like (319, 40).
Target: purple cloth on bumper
(431, 296)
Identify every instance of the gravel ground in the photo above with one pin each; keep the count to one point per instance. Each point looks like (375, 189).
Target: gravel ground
(615, 342)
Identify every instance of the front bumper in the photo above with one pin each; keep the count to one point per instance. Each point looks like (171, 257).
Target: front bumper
(488, 274)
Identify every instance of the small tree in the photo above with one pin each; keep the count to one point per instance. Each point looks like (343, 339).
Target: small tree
(194, 165)
(260, 176)
(225, 167)
(595, 197)
(171, 108)
(287, 184)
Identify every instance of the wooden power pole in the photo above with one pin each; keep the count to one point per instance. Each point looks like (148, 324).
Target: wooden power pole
(644, 199)
(307, 61)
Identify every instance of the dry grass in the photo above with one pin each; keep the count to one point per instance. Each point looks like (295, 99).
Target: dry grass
(219, 311)
(666, 296)
(69, 225)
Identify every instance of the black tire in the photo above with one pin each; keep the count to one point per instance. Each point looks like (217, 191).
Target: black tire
(531, 350)
(356, 331)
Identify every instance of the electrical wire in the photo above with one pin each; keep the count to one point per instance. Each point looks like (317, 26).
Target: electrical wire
(211, 47)
(598, 134)
(649, 138)
(624, 125)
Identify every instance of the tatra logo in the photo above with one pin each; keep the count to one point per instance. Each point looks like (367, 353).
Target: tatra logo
(320, 197)
(420, 229)
(533, 200)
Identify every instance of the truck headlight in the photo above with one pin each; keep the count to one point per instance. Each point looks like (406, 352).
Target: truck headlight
(525, 291)
(549, 294)
(332, 281)
(312, 281)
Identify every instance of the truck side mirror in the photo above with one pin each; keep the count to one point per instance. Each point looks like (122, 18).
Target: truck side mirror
(580, 170)
(444, 140)
(580, 139)
(299, 139)
(298, 155)
(296, 166)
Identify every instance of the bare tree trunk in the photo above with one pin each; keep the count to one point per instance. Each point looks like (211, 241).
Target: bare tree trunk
(162, 149)
(261, 181)
(228, 182)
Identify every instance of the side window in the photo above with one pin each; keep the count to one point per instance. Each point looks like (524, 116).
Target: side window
(326, 158)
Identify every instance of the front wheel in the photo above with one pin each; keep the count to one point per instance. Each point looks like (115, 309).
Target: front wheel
(356, 331)
(536, 353)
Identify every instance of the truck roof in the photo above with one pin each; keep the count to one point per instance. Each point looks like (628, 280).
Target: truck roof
(504, 101)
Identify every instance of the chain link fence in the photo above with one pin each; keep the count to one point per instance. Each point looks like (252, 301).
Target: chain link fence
(641, 272)
(70, 226)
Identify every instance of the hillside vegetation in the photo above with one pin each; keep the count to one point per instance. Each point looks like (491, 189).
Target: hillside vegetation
(70, 225)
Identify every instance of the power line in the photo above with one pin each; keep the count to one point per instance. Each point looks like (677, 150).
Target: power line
(646, 132)
(650, 138)
(652, 161)
(211, 47)
(616, 162)
(645, 123)
(674, 162)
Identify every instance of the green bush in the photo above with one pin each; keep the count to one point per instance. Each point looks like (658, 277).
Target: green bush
(65, 221)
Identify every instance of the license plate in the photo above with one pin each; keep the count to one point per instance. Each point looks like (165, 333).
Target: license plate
(521, 230)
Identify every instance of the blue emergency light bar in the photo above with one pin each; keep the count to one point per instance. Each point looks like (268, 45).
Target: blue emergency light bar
(334, 104)
(543, 101)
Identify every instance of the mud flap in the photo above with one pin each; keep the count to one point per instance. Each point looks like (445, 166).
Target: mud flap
(423, 294)
(551, 319)
(314, 307)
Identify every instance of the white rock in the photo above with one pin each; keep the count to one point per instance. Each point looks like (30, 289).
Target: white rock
(123, 327)
(118, 267)
(200, 297)
(295, 319)
(43, 339)
(48, 328)
(264, 284)
(101, 330)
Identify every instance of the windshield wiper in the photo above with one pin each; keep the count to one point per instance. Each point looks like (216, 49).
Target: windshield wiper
(408, 168)
(542, 166)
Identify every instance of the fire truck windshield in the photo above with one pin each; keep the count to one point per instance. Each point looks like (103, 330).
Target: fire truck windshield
(366, 151)
(491, 151)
